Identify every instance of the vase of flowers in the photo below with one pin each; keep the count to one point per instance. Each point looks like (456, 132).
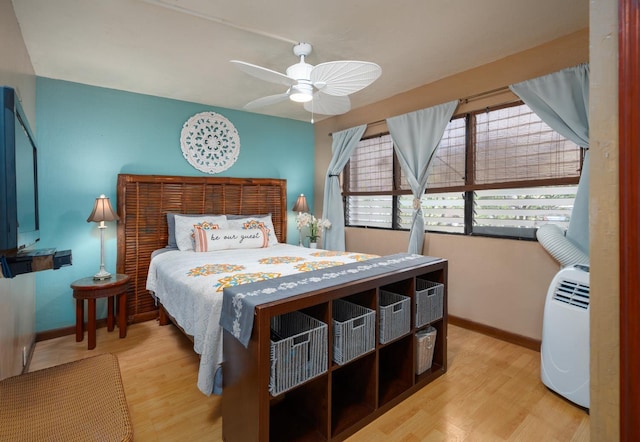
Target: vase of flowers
(315, 226)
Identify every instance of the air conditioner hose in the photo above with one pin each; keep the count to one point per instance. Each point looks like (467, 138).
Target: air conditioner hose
(553, 239)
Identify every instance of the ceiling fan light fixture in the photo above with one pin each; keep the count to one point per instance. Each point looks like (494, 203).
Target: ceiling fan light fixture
(322, 89)
(301, 93)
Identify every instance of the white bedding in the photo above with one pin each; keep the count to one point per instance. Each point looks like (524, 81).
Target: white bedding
(189, 285)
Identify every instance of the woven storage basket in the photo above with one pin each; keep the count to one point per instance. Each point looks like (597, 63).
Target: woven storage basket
(425, 345)
(354, 331)
(395, 316)
(429, 301)
(298, 350)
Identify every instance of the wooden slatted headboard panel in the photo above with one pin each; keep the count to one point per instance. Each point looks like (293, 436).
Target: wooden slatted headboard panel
(143, 203)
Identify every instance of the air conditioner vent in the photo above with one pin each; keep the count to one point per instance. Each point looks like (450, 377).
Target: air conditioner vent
(573, 293)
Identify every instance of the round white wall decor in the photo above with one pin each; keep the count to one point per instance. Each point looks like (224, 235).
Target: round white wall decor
(210, 142)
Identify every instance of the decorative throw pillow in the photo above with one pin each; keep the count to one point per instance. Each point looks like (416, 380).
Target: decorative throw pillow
(184, 228)
(207, 240)
(254, 222)
(171, 225)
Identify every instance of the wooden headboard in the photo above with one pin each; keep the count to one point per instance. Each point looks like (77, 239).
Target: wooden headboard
(143, 203)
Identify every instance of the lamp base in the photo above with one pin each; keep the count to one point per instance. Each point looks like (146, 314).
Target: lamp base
(101, 275)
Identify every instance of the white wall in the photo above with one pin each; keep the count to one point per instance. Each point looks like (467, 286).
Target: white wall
(17, 322)
(16, 69)
(499, 283)
(17, 295)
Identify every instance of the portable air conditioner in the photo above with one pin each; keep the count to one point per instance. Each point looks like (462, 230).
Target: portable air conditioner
(565, 335)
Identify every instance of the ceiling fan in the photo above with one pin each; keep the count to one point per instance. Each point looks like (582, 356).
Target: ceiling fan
(323, 88)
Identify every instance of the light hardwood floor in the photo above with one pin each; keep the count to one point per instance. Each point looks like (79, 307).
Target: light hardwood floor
(491, 392)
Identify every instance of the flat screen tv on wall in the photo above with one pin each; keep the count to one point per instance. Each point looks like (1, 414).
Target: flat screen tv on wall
(19, 218)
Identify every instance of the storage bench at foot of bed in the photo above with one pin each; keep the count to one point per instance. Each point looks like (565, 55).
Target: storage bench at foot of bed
(348, 395)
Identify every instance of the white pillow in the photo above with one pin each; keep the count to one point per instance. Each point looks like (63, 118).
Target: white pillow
(207, 240)
(171, 225)
(254, 222)
(184, 228)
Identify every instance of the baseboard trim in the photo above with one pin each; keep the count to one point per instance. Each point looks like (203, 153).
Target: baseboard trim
(71, 330)
(513, 338)
(65, 331)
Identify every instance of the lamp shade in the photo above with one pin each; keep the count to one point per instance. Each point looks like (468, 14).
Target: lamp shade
(102, 211)
(301, 204)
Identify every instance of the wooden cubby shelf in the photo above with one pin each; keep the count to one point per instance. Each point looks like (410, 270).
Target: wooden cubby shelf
(345, 398)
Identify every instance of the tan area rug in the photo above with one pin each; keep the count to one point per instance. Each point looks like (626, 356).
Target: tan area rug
(79, 401)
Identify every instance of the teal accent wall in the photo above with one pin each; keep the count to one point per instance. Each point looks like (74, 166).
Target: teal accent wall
(88, 135)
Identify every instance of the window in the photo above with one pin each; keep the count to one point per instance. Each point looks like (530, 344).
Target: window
(370, 177)
(499, 172)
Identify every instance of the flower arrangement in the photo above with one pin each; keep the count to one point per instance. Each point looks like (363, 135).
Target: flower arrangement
(314, 224)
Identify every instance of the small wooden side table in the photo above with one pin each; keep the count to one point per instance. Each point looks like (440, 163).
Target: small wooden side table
(90, 289)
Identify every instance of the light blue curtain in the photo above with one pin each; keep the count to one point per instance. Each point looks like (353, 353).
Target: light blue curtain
(344, 142)
(561, 100)
(416, 136)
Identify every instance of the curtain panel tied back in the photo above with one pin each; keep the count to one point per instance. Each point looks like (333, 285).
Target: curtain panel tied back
(416, 136)
(561, 100)
(343, 144)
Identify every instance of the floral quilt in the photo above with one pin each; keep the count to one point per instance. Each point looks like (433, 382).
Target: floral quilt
(190, 285)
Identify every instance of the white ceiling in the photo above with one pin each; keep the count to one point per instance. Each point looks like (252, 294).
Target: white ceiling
(181, 48)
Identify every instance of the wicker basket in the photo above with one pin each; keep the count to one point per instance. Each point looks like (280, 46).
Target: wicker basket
(354, 331)
(429, 301)
(298, 350)
(395, 316)
(425, 345)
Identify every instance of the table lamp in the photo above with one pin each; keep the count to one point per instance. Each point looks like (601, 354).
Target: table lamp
(102, 212)
(300, 206)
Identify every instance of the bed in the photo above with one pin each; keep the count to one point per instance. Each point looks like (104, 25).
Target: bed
(144, 201)
(332, 405)
(187, 286)
(190, 286)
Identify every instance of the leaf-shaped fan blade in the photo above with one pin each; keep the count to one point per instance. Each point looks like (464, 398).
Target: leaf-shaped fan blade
(344, 77)
(328, 104)
(263, 73)
(266, 101)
